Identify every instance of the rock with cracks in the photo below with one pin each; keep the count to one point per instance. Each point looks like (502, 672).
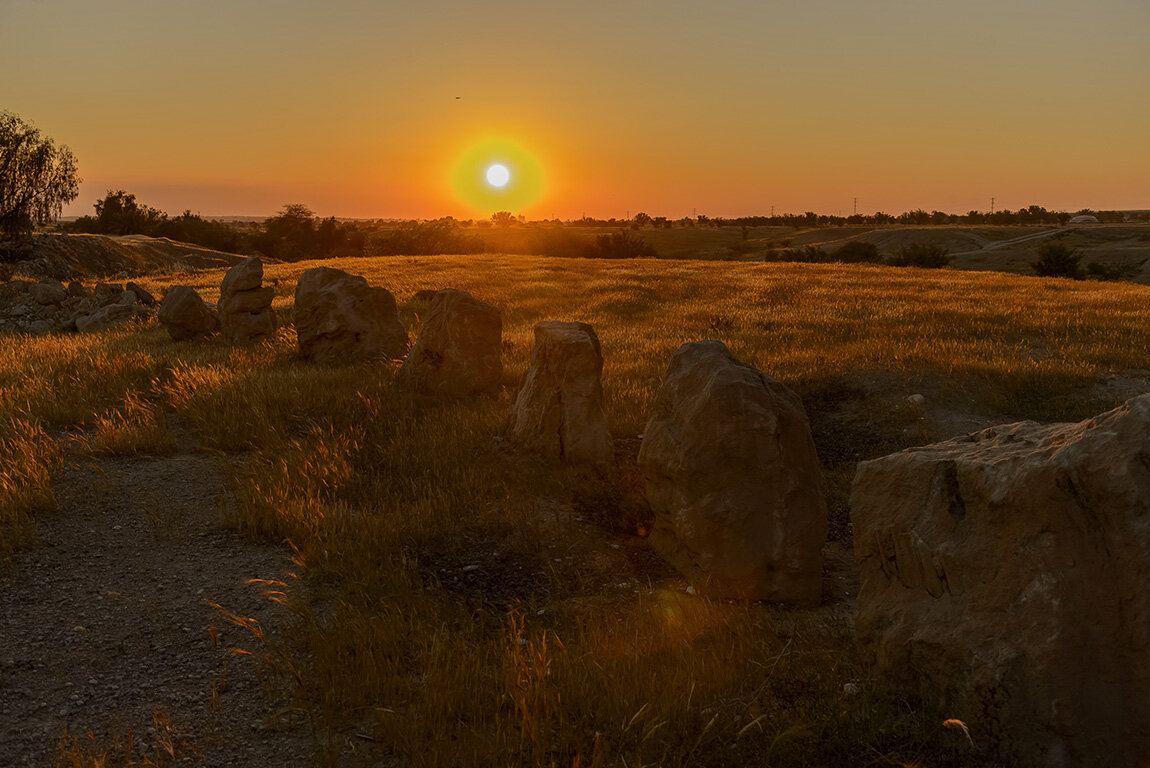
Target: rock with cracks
(185, 315)
(733, 479)
(340, 318)
(1005, 572)
(245, 306)
(559, 409)
(458, 352)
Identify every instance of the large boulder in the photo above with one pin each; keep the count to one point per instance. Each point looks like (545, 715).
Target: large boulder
(185, 315)
(245, 307)
(49, 292)
(458, 352)
(559, 409)
(340, 318)
(733, 479)
(142, 294)
(107, 293)
(1005, 573)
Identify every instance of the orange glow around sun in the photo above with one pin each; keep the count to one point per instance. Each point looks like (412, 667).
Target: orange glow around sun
(497, 175)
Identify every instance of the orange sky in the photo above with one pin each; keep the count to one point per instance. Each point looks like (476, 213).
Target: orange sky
(725, 107)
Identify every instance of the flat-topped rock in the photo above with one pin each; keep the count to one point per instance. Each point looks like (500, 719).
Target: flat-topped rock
(1006, 572)
(558, 411)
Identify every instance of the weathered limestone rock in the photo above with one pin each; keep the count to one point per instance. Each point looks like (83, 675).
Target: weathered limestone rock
(245, 308)
(734, 480)
(458, 352)
(340, 318)
(559, 409)
(48, 292)
(1006, 572)
(77, 289)
(105, 317)
(185, 315)
(142, 295)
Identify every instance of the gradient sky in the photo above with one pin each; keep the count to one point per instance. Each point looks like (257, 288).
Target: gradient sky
(349, 106)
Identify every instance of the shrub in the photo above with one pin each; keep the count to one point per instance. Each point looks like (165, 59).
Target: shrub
(1098, 271)
(857, 251)
(559, 243)
(1058, 260)
(810, 254)
(925, 255)
(621, 245)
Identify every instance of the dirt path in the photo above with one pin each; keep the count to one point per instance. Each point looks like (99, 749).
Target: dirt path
(106, 623)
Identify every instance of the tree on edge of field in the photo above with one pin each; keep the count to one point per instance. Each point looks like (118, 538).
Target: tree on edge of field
(36, 177)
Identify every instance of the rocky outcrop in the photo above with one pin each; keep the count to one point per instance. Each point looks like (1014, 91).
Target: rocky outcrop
(185, 315)
(733, 479)
(559, 409)
(340, 318)
(245, 306)
(47, 307)
(458, 352)
(1006, 573)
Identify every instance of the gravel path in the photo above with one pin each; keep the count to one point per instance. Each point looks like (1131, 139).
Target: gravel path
(107, 623)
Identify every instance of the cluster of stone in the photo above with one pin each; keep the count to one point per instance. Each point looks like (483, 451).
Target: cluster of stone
(48, 306)
(245, 306)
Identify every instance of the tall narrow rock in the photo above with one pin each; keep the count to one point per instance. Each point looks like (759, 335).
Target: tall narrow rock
(559, 409)
(458, 352)
(340, 318)
(245, 306)
(1005, 573)
(734, 480)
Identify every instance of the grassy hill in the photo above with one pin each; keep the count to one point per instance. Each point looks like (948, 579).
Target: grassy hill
(462, 605)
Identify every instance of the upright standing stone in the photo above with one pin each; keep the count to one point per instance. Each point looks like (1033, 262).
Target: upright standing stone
(1006, 573)
(245, 306)
(734, 480)
(559, 409)
(458, 352)
(340, 318)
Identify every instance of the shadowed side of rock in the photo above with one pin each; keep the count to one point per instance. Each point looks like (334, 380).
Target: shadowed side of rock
(185, 315)
(734, 480)
(559, 409)
(1006, 572)
(340, 318)
(458, 352)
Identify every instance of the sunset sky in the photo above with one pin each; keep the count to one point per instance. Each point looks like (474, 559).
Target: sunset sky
(368, 108)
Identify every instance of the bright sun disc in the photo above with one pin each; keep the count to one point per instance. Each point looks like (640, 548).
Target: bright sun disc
(498, 175)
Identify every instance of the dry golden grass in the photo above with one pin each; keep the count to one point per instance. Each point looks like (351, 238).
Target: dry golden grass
(389, 498)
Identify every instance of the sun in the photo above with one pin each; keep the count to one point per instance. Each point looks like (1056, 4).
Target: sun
(498, 175)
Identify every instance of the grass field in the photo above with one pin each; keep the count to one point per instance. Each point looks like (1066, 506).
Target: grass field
(465, 606)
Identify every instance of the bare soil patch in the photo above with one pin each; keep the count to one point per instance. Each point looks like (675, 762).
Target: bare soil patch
(109, 622)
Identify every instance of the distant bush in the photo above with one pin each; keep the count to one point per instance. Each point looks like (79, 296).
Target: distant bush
(617, 245)
(421, 238)
(1098, 271)
(809, 254)
(1058, 260)
(925, 255)
(620, 245)
(857, 251)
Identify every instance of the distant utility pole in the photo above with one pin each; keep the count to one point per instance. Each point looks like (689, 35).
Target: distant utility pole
(992, 205)
(772, 211)
(694, 213)
(856, 209)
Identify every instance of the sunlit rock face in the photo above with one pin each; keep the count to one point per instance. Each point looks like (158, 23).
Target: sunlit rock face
(340, 318)
(185, 315)
(458, 352)
(559, 409)
(1007, 573)
(733, 478)
(245, 306)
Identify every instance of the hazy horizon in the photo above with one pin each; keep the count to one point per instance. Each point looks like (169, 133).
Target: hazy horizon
(360, 110)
